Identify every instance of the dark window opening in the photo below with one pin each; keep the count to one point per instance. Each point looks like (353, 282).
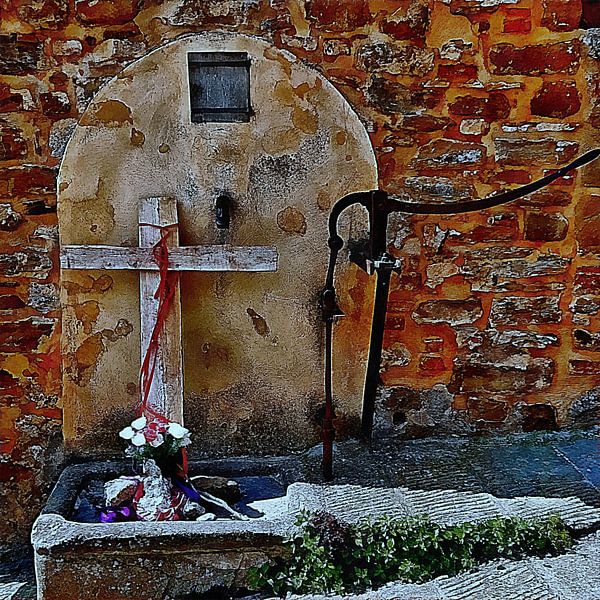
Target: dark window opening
(590, 16)
(219, 87)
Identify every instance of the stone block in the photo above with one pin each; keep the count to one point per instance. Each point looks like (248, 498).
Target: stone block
(586, 340)
(472, 8)
(543, 59)
(126, 560)
(28, 179)
(451, 312)
(18, 56)
(10, 100)
(584, 367)
(392, 97)
(585, 305)
(556, 99)
(446, 153)
(43, 297)
(487, 273)
(43, 14)
(10, 219)
(587, 281)
(426, 123)
(525, 151)
(11, 302)
(397, 59)
(27, 263)
(515, 310)
(496, 373)
(485, 409)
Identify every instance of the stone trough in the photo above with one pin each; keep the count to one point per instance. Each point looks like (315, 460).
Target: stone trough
(141, 560)
(173, 560)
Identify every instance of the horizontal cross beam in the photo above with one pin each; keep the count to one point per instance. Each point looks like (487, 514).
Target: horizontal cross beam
(182, 258)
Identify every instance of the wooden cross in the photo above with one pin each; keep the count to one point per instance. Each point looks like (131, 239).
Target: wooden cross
(166, 393)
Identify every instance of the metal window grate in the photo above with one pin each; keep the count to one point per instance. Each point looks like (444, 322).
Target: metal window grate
(219, 87)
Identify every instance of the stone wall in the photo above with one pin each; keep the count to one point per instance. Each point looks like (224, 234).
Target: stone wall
(493, 322)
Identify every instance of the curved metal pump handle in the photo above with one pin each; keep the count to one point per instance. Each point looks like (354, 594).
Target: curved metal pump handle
(379, 205)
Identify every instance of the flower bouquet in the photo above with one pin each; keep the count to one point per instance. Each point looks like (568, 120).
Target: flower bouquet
(160, 440)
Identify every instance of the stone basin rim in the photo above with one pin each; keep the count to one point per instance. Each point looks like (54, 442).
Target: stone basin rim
(54, 531)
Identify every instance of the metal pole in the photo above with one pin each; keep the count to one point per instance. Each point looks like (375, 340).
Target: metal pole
(375, 347)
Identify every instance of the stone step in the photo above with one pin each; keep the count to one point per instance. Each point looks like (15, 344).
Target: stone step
(352, 502)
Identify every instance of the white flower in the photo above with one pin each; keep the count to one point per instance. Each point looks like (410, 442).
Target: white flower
(155, 443)
(139, 423)
(177, 431)
(138, 439)
(127, 433)
(185, 440)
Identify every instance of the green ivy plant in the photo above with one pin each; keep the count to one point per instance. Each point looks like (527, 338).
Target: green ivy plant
(326, 555)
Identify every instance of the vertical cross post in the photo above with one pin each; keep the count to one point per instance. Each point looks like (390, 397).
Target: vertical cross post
(166, 392)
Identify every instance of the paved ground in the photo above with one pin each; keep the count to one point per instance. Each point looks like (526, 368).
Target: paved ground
(553, 464)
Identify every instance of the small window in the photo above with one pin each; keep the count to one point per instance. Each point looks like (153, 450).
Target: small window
(219, 87)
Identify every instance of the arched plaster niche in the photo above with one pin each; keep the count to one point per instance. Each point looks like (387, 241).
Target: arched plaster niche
(253, 342)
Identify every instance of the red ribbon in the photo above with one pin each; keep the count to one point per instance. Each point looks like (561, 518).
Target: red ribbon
(164, 294)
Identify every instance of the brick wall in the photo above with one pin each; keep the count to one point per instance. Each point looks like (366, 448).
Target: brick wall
(493, 322)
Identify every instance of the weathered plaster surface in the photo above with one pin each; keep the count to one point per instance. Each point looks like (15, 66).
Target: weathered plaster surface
(252, 342)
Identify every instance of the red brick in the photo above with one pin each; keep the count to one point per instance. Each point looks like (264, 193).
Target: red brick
(9, 101)
(539, 417)
(55, 104)
(512, 176)
(587, 281)
(431, 363)
(517, 26)
(584, 367)
(545, 227)
(556, 99)
(587, 224)
(562, 57)
(484, 409)
(23, 336)
(408, 24)
(13, 144)
(561, 15)
(458, 72)
(11, 302)
(7, 380)
(28, 179)
(338, 15)
(493, 108)
(591, 14)
(107, 12)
